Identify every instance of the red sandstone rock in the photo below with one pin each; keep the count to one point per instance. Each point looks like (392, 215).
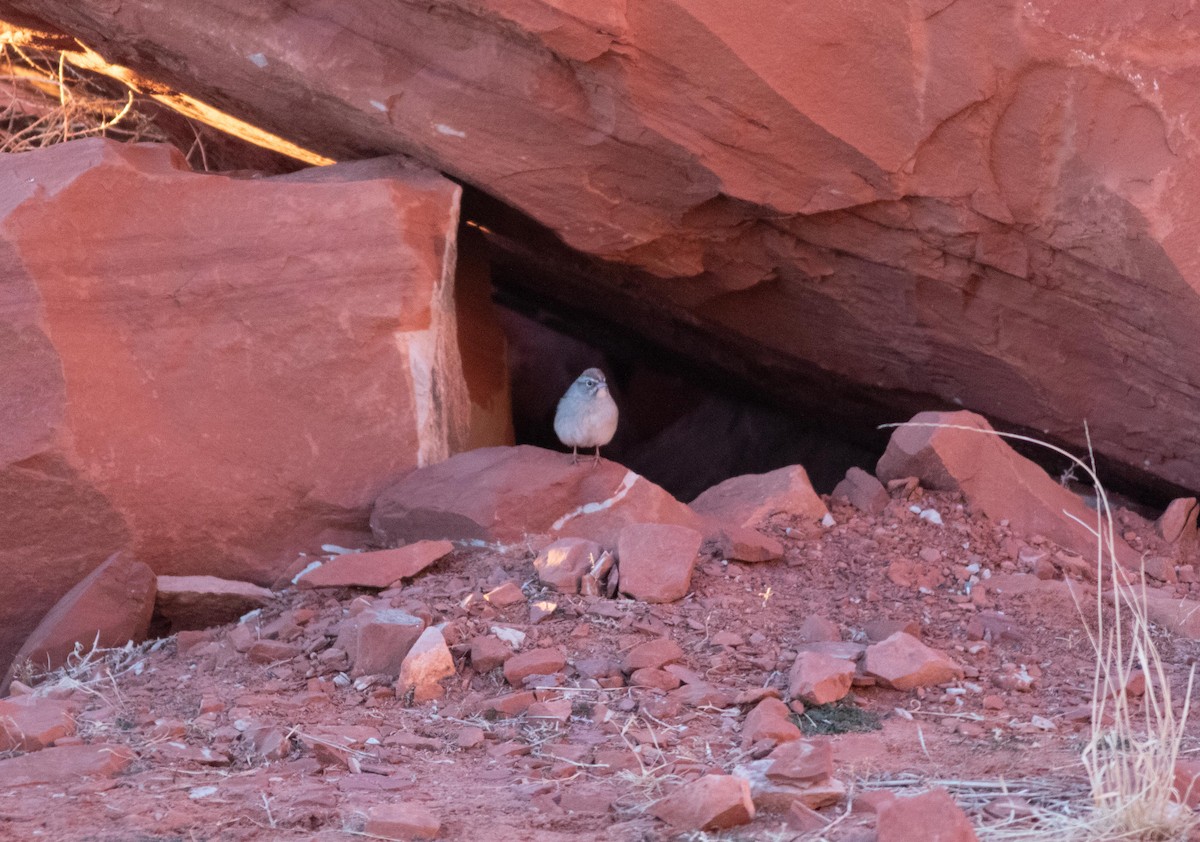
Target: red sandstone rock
(801, 762)
(505, 493)
(993, 477)
(1187, 782)
(505, 595)
(781, 793)
(426, 664)
(561, 565)
(817, 629)
(819, 679)
(109, 607)
(378, 639)
(863, 491)
(378, 569)
(770, 719)
(198, 602)
(30, 723)
(930, 817)
(63, 765)
(489, 652)
(656, 560)
(651, 654)
(1178, 523)
(403, 820)
(533, 662)
(217, 371)
(903, 662)
(741, 543)
(749, 500)
(1179, 616)
(714, 802)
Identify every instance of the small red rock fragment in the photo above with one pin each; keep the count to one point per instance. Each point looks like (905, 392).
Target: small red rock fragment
(903, 662)
(930, 817)
(863, 491)
(488, 652)
(653, 654)
(402, 820)
(377, 569)
(505, 595)
(377, 640)
(770, 719)
(533, 662)
(426, 664)
(741, 543)
(62, 765)
(801, 762)
(562, 565)
(30, 723)
(199, 602)
(714, 802)
(750, 499)
(819, 679)
(656, 560)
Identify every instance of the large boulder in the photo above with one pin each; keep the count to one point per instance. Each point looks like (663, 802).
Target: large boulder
(213, 371)
(506, 493)
(994, 204)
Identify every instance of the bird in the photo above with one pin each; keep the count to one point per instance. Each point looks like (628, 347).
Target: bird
(586, 414)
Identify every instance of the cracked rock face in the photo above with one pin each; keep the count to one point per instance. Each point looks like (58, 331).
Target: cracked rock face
(988, 203)
(213, 372)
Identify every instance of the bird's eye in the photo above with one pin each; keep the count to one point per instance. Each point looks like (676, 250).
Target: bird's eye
(589, 382)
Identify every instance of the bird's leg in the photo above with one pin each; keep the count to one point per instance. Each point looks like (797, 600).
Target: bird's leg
(574, 454)
(596, 461)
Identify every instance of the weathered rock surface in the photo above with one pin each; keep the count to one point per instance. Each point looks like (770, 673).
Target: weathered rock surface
(63, 765)
(714, 802)
(403, 820)
(28, 723)
(426, 664)
(992, 477)
(863, 491)
(929, 817)
(903, 662)
(505, 493)
(819, 679)
(377, 569)
(214, 371)
(749, 500)
(656, 560)
(109, 607)
(198, 602)
(987, 194)
(378, 639)
(563, 564)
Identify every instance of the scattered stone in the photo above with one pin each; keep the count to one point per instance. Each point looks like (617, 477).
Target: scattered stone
(847, 650)
(426, 664)
(557, 710)
(652, 654)
(1160, 569)
(993, 627)
(512, 704)
(378, 639)
(470, 736)
(63, 765)
(402, 820)
(819, 679)
(714, 802)
(505, 595)
(199, 602)
(1177, 524)
(1186, 788)
(805, 819)
(534, 662)
(750, 499)
(30, 723)
(109, 607)
(741, 543)
(504, 493)
(656, 560)
(769, 720)
(1178, 616)
(818, 629)
(378, 569)
(903, 662)
(271, 651)
(649, 677)
(993, 478)
(563, 564)
(930, 817)
(540, 609)
(877, 630)
(780, 794)
(801, 762)
(489, 652)
(863, 491)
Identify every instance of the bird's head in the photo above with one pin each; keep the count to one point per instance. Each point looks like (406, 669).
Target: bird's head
(591, 382)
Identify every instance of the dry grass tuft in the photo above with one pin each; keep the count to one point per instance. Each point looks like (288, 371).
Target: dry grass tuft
(1135, 742)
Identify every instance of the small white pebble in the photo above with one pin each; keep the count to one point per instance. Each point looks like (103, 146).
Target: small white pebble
(932, 516)
(828, 521)
(196, 793)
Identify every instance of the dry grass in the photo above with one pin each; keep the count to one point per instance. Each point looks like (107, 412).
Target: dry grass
(45, 101)
(1134, 742)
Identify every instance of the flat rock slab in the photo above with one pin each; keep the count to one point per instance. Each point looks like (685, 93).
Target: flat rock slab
(65, 765)
(562, 564)
(930, 817)
(819, 679)
(750, 499)
(505, 493)
(903, 662)
(30, 723)
(200, 602)
(378, 569)
(378, 640)
(714, 802)
(656, 560)
(109, 607)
